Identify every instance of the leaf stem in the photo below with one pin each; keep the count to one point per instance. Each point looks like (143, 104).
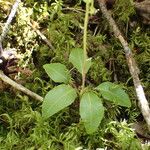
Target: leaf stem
(85, 45)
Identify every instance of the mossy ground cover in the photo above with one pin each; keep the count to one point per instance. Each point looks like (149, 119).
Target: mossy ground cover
(62, 22)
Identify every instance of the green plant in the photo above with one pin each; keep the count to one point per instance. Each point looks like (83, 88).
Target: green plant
(21, 124)
(122, 136)
(122, 6)
(61, 96)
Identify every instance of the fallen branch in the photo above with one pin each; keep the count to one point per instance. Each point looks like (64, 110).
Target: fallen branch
(43, 37)
(143, 103)
(9, 20)
(2, 75)
(20, 87)
(7, 24)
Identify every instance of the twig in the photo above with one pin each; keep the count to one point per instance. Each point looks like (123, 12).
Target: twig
(9, 20)
(43, 37)
(2, 75)
(143, 103)
(7, 24)
(142, 6)
(74, 9)
(20, 87)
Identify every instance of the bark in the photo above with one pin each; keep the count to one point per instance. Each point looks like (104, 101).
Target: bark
(143, 103)
(20, 87)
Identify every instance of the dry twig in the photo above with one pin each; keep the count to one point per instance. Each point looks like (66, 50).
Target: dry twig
(43, 37)
(143, 103)
(20, 87)
(2, 75)
(9, 20)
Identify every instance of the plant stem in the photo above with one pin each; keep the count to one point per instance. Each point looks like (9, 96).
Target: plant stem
(85, 45)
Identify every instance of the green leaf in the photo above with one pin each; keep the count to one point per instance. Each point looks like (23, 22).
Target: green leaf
(77, 59)
(57, 72)
(114, 93)
(57, 99)
(91, 111)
